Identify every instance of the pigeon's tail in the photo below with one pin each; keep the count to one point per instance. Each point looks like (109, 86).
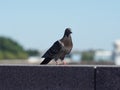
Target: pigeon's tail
(46, 61)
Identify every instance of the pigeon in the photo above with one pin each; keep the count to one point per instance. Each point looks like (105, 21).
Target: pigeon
(59, 49)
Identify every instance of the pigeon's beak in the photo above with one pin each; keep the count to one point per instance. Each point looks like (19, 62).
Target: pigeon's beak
(70, 31)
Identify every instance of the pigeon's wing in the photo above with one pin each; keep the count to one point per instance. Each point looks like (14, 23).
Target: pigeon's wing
(52, 51)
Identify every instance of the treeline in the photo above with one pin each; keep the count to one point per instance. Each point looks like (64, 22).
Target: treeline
(88, 55)
(10, 49)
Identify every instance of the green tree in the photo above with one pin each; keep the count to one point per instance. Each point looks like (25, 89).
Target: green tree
(1, 55)
(10, 49)
(88, 55)
(32, 52)
(9, 55)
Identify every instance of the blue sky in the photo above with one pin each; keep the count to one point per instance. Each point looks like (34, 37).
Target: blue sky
(38, 23)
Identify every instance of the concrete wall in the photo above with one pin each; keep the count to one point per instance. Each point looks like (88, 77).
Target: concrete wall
(46, 78)
(108, 78)
(59, 78)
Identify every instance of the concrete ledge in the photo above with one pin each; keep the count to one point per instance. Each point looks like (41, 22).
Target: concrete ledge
(108, 78)
(46, 78)
(59, 77)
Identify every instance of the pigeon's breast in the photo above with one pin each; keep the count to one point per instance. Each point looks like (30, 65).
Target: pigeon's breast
(62, 52)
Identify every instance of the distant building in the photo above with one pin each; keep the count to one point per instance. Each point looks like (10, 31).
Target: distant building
(75, 56)
(116, 52)
(34, 59)
(103, 55)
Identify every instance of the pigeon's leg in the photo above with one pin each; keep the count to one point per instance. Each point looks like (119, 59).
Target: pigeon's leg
(56, 62)
(64, 63)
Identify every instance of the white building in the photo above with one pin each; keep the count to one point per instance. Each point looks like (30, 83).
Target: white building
(103, 55)
(116, 52)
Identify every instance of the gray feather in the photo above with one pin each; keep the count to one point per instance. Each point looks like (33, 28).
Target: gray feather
(60, 48)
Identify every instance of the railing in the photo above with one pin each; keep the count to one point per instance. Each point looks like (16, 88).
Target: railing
(67, 77)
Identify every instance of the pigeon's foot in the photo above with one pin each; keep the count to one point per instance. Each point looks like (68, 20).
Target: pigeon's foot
(57, 63)
(64, 63)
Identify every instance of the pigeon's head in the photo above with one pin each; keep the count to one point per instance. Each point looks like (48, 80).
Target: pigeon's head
(68, 31)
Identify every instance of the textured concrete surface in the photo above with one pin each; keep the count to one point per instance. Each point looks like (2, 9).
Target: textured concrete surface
(108, 78)
(47, 78)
